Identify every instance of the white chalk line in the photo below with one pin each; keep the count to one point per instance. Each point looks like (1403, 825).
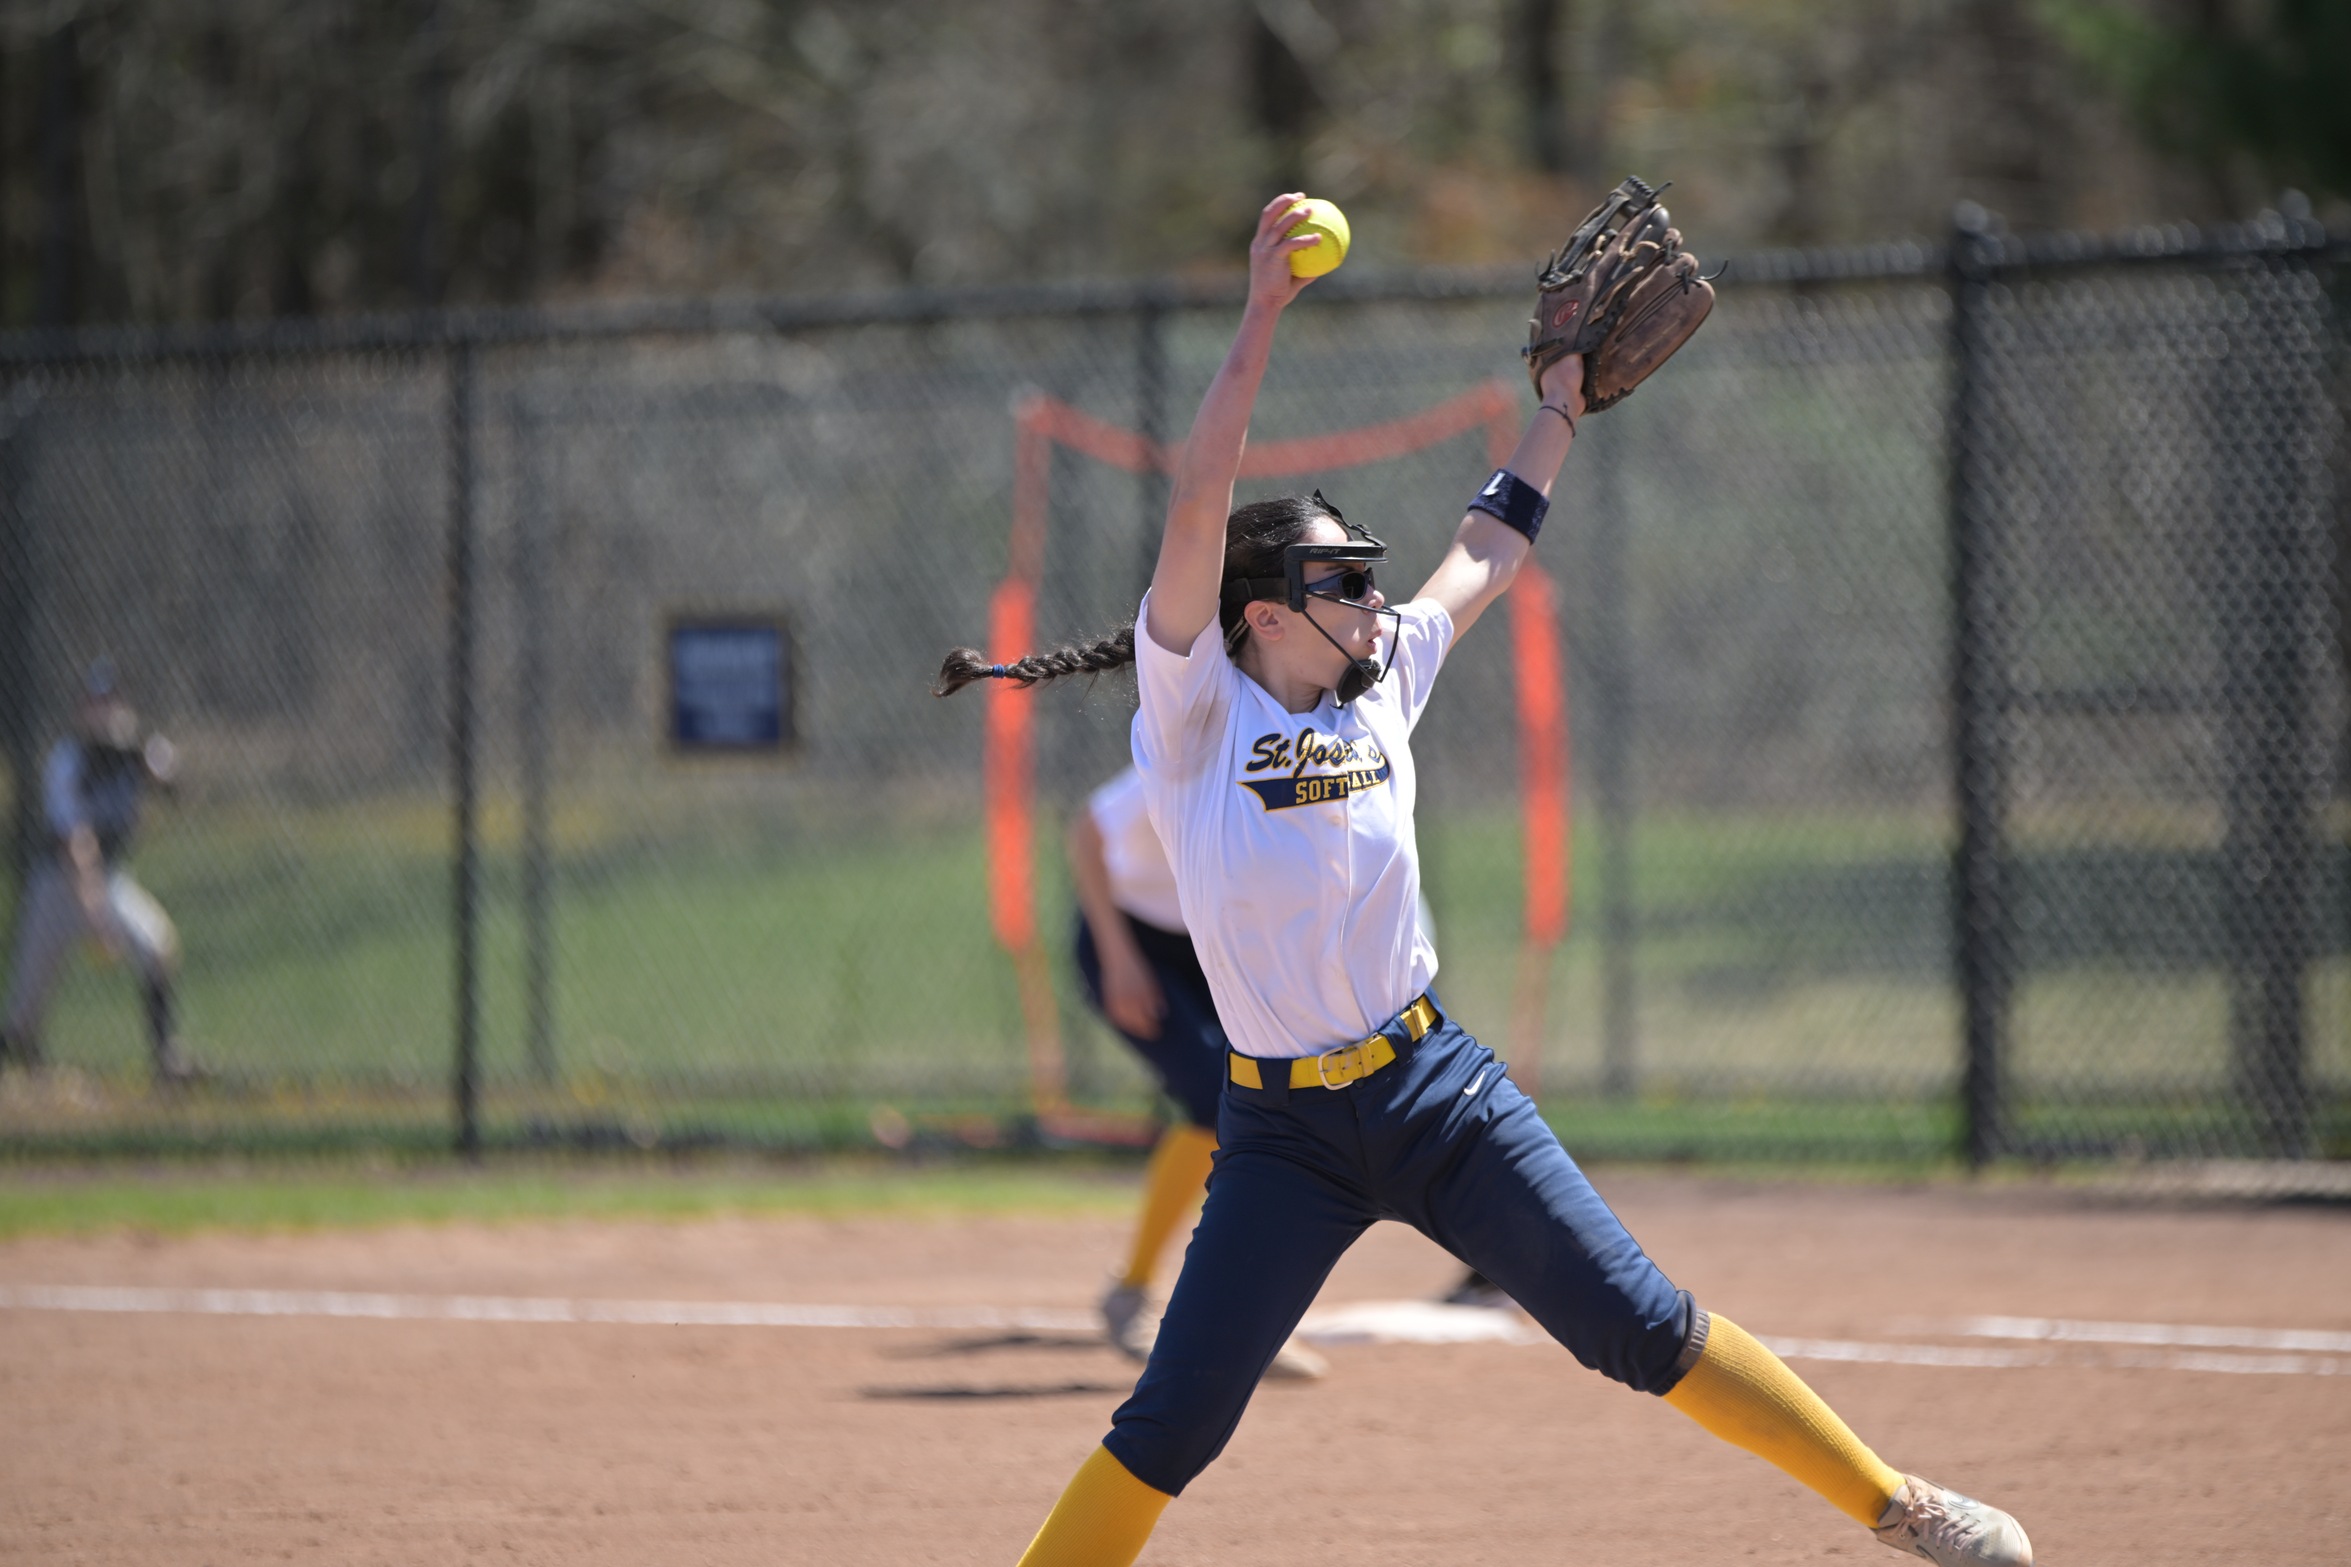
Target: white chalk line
(2129, 1345)
(1877, 1353)
(511, 1308)
(2167, 1334)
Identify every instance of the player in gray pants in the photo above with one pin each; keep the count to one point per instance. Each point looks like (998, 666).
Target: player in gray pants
(90, 789)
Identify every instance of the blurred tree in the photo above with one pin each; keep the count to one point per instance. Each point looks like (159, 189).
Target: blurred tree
(60, 153)
(427, 274)
(218, 158)
(1541, 31)
(1284, 36)
(2251, 90)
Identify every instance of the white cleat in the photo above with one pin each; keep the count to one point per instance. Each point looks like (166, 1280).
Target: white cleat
(1952, 1530)
(1128, 1321)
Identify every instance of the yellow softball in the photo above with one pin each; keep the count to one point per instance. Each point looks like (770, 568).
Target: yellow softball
(1326, 221)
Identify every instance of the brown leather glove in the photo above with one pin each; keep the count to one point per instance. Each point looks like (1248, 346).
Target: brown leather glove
(1623, 293)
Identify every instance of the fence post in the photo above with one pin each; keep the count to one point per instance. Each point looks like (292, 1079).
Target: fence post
(466, 870)
(2273, 551)
(20, 706)
(1611, 753)
(1983, 948)
(533, 519)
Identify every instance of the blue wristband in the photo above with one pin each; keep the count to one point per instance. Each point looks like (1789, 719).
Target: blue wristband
(1513, 502)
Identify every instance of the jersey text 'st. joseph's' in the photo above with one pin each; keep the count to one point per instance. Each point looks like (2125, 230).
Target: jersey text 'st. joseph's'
(1291, 836)
(1141, 881)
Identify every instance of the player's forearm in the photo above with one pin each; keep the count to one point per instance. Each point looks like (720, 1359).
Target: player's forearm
(1477, 570)
(1542, 451)
(1112, 939)
(1487, 553)
(1191, 554)
(1089, 874)
(87, 867)
(81, 850)
(1212, 453)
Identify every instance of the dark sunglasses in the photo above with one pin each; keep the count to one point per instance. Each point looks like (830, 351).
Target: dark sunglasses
(1353, 585)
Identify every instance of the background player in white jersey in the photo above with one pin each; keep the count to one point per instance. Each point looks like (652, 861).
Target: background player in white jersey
(91, 786)
(1144, 978)
(1279, 692)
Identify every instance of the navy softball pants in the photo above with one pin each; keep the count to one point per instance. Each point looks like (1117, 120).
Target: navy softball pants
(1188, 1057)
(1440, 1139)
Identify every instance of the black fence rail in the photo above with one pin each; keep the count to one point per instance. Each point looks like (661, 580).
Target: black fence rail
(1958, 697)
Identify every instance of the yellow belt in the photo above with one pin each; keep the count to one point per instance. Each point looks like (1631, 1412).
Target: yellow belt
(1338, 1067)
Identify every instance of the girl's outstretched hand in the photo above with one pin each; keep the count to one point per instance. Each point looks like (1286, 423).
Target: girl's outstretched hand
(1271, 283)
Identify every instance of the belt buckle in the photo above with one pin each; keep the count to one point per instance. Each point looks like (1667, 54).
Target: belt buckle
(1322, 1067)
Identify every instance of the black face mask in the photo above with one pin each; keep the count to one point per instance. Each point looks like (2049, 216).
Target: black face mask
(1357, 556)
(1362, 674)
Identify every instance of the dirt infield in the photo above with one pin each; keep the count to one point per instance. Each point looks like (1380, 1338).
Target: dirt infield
(154, 1433)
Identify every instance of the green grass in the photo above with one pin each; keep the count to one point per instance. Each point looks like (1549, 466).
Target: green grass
(295, 1195)
(736, 969)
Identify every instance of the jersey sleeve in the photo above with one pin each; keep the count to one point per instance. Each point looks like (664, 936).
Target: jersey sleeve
(1118, 804)
(1424, 635)
(1185, 697)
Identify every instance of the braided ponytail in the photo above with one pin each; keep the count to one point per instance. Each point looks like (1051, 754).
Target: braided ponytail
(1255, 537)
(965, 665)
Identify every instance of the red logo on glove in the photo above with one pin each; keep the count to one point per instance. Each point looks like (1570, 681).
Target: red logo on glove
(1566, 311)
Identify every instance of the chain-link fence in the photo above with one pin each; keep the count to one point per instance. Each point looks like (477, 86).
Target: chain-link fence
(1957, 691)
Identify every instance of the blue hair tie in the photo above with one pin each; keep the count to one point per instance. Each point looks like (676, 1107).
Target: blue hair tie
(999, 672)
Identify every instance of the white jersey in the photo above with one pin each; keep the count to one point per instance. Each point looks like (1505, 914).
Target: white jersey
(1291, 837)
(1141, 881)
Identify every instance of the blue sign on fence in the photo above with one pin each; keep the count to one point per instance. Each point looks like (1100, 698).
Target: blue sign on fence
(730, 683)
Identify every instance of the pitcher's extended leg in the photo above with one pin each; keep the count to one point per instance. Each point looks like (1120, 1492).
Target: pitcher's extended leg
(1746, 1395)
(1269, 1234)
(1516, 1207)
(1178, 1171)
(1274, 1225)
(1510, 1202)
(1102, 1519)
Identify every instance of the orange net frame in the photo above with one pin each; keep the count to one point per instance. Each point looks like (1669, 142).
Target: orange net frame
(1010, 732)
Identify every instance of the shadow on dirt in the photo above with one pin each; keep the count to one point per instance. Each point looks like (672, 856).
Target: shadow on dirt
(1015, 1340)
(1008, 1390)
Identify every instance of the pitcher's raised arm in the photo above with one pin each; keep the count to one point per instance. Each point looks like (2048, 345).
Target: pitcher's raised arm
(1488, 549)
(1185, 584)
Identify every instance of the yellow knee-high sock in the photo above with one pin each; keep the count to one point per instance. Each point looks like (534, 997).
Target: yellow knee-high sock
(1746, 1395)
(1179, 1169)
(1102, 1520)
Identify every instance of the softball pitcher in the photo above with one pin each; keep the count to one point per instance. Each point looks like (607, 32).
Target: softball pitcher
(1279, 691)
(90, 792)
(1144, 978)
